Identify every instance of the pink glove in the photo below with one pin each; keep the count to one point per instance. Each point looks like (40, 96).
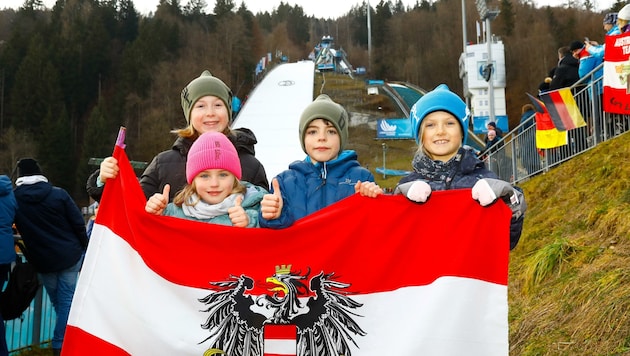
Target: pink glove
(419, 191)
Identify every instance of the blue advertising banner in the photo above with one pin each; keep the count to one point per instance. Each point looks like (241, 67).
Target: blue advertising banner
(480, 122)
(393, 128)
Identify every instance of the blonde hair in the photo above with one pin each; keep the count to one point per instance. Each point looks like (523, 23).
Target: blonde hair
(190, 190)
(190, 132)
(526, 108)
(421, 136)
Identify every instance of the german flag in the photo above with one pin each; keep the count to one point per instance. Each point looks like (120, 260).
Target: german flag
(547, 135)
(563, 109)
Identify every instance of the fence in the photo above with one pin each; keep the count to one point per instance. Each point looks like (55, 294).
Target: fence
(519, 159)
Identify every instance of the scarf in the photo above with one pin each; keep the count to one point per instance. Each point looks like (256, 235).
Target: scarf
(436, 170)
(202, 210)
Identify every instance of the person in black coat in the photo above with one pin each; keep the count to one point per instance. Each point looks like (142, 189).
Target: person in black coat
(566, 73)
(207, 105)
(53, 231)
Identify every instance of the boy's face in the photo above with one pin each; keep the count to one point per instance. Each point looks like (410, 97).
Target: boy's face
(441, 135)
(321, 141)
(209, 114)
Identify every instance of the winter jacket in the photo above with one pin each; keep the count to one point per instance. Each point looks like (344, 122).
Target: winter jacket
(251, 205)
(307, 187)
(463, 171)
(8, 205)
(169, 167)
(566, 74)
(51, 226)
(588, 63)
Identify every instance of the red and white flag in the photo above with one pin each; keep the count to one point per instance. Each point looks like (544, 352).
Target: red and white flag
(364, 276)
(617, 74)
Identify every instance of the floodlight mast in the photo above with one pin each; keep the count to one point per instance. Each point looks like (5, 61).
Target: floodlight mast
(488, 16)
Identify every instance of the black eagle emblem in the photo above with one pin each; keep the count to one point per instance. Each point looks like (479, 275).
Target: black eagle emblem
(322, 312)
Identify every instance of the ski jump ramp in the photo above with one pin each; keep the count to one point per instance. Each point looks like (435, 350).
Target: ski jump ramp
(273, 111)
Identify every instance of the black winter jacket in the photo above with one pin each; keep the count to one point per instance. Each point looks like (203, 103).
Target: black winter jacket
(51, 226)
(169, 167)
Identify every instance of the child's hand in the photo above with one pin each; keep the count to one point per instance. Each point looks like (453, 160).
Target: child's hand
(368, 189)
(109, 169)
(419, 191)
(158, 202)
(487, 190)
(237, 213)
(271, 204)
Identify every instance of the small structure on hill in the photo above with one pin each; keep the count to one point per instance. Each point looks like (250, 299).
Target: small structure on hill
(327, 58)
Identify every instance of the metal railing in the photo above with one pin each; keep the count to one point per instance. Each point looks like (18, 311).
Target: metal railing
(518, 158)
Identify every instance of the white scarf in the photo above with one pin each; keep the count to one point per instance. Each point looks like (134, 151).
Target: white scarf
(202, 210)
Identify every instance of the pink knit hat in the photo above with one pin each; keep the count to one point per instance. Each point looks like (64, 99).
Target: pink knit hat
(212, 150)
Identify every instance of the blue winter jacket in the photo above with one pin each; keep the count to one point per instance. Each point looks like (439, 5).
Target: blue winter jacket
(8, 206)
(51, 226)
(307, 187)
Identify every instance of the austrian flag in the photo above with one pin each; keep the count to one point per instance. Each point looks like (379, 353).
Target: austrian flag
(364, 276)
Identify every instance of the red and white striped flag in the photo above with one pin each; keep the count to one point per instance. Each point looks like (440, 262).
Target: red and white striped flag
(364, 276)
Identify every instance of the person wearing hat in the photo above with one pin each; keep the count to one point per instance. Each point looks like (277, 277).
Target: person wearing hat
(439, 121)
(623, 19)
(53, 230)
(214, 192)
(566, 73)
(207, 105)
(328, 173)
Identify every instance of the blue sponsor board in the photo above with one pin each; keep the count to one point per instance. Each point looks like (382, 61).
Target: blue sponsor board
(393, 128)
(480, 122)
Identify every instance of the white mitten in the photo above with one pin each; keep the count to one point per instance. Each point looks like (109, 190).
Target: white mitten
(483, 193)
(419, 191)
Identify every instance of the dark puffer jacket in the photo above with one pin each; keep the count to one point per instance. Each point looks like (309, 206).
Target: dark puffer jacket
(463, 171)
(169, 167)
(51, 226)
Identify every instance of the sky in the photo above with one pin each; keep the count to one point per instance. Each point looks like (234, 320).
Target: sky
(320, 8)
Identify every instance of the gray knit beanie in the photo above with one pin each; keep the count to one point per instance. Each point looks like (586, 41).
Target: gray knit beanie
(324, 108)
(205, 84)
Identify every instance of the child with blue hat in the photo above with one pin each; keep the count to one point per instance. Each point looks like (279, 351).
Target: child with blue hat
(440, 126)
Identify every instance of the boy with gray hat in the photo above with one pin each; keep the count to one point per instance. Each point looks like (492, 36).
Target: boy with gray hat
(328, 174)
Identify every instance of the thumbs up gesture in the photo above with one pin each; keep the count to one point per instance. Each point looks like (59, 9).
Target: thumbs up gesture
(271, 204)
(158, 202)
(237, 213)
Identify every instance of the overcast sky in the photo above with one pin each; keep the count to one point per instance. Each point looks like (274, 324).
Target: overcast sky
(318, 8)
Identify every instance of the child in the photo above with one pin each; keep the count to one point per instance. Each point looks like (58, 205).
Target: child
(214, 193)
(440, 121)
(327, 175)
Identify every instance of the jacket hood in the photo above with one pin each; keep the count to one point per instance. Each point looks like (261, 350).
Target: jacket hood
(244, 140)
(569, 60)
(33, 193)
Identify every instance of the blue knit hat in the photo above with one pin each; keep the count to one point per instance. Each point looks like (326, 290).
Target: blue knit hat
(439, 99)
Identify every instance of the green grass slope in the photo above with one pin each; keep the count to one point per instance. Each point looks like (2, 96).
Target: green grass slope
(569, 286)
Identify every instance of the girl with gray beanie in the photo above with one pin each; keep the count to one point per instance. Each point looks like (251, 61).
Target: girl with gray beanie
(328, 173)
(207, 105)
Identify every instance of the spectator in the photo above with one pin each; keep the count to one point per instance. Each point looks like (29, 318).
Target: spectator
(207, 105)
(90, 223)
(566, 73)
(214, 193)
(439, 121)
(8, 206)
(493, 142)
(491, 125)
(526, 150)
(328, 174)
(53, 231)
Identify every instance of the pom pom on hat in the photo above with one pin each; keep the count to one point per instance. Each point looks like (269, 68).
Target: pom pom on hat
(212, 150)
(439, 99)
(323, 107)
(28, 167)
(204, 85)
